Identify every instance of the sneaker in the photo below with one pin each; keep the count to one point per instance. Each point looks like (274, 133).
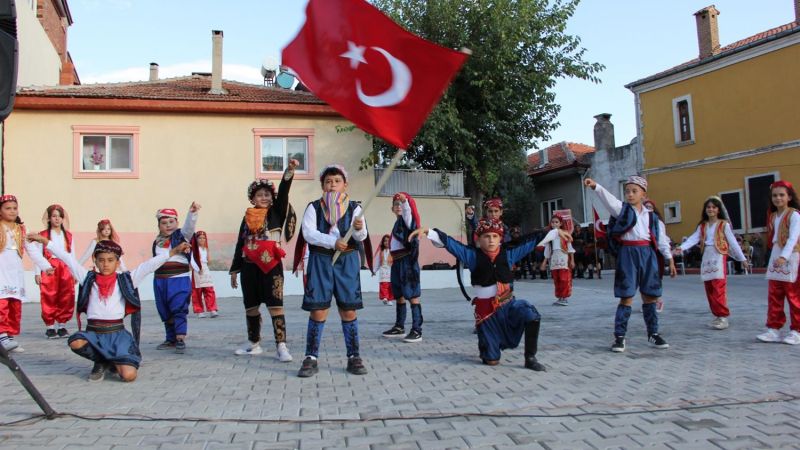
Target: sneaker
(561, 302)
(771, 335)
(9, 343)
(413, 336)
(166, 345)
(62, 332)
(657, 341)
(213, 314)
(356, 366)
(283, 352)
(395, 331)
(51, 333)
(533, 364)
(719, 323)
(308, 368)
(180, 347)
(251, 349)
(98, 372)
(201, 315)
(792, 338)
(619, 344)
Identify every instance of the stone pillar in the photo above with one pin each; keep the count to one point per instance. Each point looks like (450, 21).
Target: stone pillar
(603, 133)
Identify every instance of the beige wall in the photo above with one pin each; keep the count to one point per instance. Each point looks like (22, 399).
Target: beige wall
(39, 63)
(205, 158)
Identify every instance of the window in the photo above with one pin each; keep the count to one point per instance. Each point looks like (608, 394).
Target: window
(105, 152)
(543, 158)
(683, 119)
(672, 212)
(757, 189)
(549, 207)
(275, 147)
(734, 204)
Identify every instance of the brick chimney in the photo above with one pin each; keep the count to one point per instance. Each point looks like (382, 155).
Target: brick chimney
(707, 31)
(216, 63)
(797, 10)
(603, 132)
(153, 71)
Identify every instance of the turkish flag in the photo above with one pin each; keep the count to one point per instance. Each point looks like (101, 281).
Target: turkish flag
(599, 228)
(369, 69)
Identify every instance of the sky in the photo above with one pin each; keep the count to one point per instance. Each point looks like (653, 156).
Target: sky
(116, 40)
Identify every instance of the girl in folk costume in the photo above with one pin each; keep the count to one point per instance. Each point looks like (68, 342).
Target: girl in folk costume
(204, 298)
(12, 273)
(106, 296)
(258, 256)
(384, 260)
(500, 318)
(715, 237)
(783, 236)
(105, 232)
(562, 262)
(57, 289)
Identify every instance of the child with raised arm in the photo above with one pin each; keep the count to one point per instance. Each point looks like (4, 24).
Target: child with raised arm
(106, 297)
(500, 318)
(636, 234)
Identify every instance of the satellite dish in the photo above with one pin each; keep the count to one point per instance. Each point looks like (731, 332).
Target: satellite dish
(285, 80)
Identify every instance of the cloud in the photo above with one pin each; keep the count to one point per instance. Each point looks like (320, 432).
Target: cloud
(236, 72)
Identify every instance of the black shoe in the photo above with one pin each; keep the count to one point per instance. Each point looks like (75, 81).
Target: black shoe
(180, 347)
(62, 332)
(657, 341)
(395, 331)
(51, 334)
(533, 364)
(309, 367)
(619, 344)
(98, 372)
(356, 366)
(413, 336)
(166, 345)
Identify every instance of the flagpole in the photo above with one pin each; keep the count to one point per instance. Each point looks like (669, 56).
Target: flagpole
(377, 190)
(594, 231)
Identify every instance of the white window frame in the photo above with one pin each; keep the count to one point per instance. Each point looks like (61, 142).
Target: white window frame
(777, 176)
(668, 218)
(107, 149)
(546, 207)
(676, 120)
(742, 214)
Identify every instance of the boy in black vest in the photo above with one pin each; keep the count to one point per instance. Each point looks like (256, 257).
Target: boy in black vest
(106, 297)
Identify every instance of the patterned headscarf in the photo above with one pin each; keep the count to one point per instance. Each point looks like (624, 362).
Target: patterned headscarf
(260, 183)
(637, 180)
(166, 212)
(490, 226)
(107, 246)
(334, 206)
(8, 198)
(495, 202)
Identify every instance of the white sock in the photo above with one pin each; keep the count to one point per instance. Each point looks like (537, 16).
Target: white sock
(51, 327)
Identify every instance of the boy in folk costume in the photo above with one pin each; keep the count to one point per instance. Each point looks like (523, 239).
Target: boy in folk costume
(637, 235)
(783, 236)
(500, 318)
(57, 289)
(493, 210)
(106, 296)
(405, 268)
(258, 256)
(12, 273)
(204, 297)
(562, 262)
(172, 283)
(325, 222)
(715, 237)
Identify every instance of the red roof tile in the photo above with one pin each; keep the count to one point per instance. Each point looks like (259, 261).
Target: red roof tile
(737, 46)
(560, 156)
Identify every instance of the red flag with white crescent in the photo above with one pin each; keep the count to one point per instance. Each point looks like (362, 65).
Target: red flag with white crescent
(599, 228)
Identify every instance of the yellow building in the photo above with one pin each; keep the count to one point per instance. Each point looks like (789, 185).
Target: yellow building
(725, 123)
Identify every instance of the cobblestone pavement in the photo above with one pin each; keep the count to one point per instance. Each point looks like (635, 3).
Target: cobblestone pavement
(710, 389)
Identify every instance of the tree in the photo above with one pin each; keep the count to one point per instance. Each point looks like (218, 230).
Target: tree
(514, 186)
(502, 100)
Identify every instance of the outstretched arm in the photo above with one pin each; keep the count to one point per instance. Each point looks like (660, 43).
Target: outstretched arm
(463, 253)
(77, 270)
(146, 268)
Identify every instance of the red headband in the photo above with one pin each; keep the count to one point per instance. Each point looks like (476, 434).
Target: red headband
(490, 226)
(166, 212)
(496, 202)
(781, 183)
(8, 198)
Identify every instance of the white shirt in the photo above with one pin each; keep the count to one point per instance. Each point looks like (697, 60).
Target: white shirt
(12, 273)
(405, 212)
(711, 230)
(558, 258)
(87, 255)
(315, 237)
(112, 308)
(794, 234)
(57, 237)
(640, 231)
(187, 230)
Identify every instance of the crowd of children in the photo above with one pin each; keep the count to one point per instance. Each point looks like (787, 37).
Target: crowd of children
(333, 236)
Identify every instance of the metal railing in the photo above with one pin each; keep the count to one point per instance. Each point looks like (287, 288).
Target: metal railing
(430, 183)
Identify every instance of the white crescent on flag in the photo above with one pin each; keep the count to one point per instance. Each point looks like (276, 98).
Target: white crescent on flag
(401, 77)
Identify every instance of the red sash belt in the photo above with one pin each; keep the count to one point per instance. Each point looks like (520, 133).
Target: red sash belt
(265, 254)
(636, 243)
(485, 307)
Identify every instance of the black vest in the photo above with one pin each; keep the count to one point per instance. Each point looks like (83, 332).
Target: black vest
(488, 273)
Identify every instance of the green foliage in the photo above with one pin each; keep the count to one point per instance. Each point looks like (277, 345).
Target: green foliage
(502, 100)
(515, 187)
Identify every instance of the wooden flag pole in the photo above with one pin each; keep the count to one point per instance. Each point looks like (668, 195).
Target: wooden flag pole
(378, 186)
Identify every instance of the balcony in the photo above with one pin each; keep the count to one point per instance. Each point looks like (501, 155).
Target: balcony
(423, 183)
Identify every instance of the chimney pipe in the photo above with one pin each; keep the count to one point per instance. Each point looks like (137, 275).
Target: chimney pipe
(603, 133)
(216, 63)
(707, 31)
(797, 10)
(153, 71)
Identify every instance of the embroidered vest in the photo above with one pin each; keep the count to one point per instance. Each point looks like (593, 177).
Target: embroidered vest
(783, 229)
(175, 239)
(67, 238)
(131, 295)
(488, 273)
(720, 241)
(400, 232)
(624, 222)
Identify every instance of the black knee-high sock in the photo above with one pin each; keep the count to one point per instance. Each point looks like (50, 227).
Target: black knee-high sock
(650, 318)
(254, 328)
(416, 317)
(532, 338)
(279, 328)
(400, 309)
(621, 320)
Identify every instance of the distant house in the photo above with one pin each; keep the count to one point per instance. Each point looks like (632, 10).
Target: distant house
(723, 123)
(557, 173)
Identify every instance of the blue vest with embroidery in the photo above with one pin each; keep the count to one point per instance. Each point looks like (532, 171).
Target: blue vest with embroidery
(624, 222)
(175, 239)
(401, 232)
(129, 293)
